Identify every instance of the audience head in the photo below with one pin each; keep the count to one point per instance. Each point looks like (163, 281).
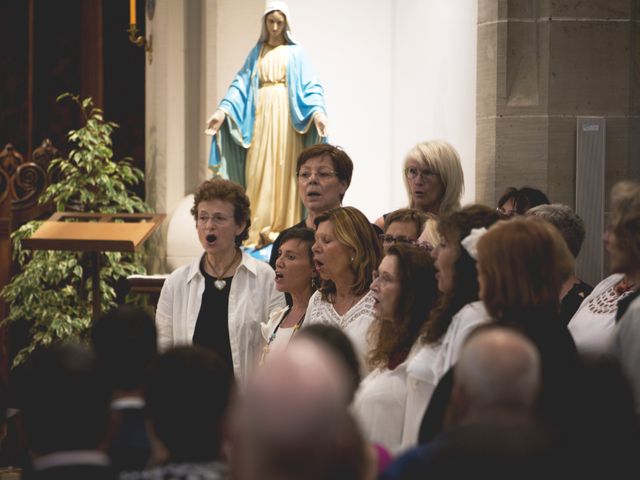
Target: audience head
(222, 213)
(622, 237)
(522, 264)
(336, 341)
(516, 201)
(346, 247)
(295, 270)
(65, 405)
(498, 368)
(405, 290)
(570, 225)
(125, 342)
(292, 422)
(324, 175)
(433, 177)
(186, 400)
(403, 226)
(456, 269)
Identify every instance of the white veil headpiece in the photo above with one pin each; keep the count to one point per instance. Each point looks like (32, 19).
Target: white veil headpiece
(272, 7)
(470, 242)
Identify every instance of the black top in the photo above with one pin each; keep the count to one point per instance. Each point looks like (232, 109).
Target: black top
(212, 325)
(572, 300)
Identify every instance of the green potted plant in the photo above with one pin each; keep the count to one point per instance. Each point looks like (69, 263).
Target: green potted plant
(52, 291)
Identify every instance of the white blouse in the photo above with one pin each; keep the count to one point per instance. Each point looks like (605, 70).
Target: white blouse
(355, 322)
(379, 406)
(429, 364)
(592, 326)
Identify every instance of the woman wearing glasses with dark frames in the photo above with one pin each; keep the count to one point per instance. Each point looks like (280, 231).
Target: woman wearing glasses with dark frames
(433, 178)
(402, 226)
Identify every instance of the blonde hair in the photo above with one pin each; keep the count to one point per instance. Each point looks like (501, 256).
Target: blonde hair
(523, 263)
(353, 230)
(430, 231)
(625, 221)
(441, 158)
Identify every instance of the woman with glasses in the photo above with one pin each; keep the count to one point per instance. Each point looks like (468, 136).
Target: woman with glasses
(402, 226)
(433, 178)
(517, 201)
(323, 173)
(346, 253)
(273, 108)
(404, 291)
(219, 300)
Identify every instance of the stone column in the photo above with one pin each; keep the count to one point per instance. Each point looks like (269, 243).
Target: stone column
(198, 45)
(541, 64)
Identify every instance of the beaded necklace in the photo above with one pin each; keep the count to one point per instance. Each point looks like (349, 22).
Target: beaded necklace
(272, 337)
(607, 302)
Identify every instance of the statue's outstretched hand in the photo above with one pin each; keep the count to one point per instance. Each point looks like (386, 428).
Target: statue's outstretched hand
(215, 122)
(320, 121)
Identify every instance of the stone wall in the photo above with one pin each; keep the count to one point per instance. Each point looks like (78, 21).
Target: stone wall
(541, 64)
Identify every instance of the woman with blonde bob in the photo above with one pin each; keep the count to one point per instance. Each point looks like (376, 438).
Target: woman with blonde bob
(433, 178)
(346, 252)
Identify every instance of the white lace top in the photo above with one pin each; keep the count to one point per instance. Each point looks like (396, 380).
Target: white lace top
(592, 325)
(355, 322)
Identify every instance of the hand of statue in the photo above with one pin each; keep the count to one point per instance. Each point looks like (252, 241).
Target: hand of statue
(215, 122)
(320, 121)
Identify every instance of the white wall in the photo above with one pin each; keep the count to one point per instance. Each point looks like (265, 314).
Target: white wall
(395, 72)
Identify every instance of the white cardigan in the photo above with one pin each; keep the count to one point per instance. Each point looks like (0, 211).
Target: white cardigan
(430, 362)
(251, 300)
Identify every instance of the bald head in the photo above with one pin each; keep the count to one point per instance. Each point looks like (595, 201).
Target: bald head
(498, 367)
(292, 421)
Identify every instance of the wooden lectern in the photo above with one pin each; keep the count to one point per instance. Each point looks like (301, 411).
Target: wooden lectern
(94, 233)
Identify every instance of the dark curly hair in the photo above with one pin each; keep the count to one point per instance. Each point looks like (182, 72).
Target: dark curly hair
(392, 338)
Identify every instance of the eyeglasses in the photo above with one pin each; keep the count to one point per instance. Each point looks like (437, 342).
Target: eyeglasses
(217, 219)
(398, 239)
(322, 175)
(412, 173)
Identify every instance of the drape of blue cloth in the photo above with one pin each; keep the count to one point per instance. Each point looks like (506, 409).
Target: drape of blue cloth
(306, 97)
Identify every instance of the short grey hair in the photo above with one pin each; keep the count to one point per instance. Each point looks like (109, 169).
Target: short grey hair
(499, 367)
(570, 225)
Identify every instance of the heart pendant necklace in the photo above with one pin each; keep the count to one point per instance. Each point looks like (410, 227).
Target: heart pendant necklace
(220, 282)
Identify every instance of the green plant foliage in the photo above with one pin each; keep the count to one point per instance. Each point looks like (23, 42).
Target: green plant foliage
(53, 290)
